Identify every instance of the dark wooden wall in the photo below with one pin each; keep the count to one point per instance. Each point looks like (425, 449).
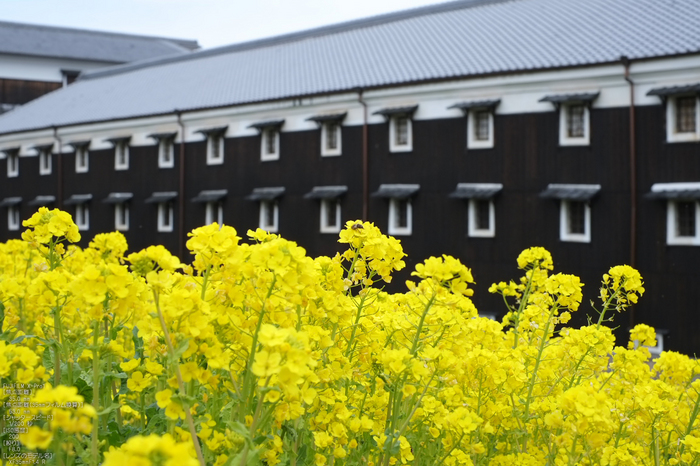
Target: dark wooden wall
(19, 91)
(526, 157)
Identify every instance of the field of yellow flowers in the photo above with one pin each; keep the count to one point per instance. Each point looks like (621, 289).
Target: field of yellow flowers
(256, 354)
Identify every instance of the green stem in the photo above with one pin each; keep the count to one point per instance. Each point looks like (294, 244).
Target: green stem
(143, 413)
(180, 383)
(248, 380)
(205, 281)
(537, 365)
(57, 349)
(416, 340)
(693, 416)
(521, 306)
(354, 327)
(95, 391)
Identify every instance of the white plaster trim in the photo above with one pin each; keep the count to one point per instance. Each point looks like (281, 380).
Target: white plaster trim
(325, 151)
(325, 227)
(394, 229)
(564, 234)
(564, 139)
(489, 232)
(672, 238)
(264, 206)
(671, 134)
(472, 142)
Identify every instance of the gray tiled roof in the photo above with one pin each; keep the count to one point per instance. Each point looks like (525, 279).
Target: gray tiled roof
(452, 40)
(81, 44)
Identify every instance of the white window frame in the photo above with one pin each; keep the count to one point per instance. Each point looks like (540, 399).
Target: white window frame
(475, 232)
(82, 159)
(214, 212)
(45, 162)
(121, 155)
(564, 233)
(13, 218)
(672, 237)
(325, 129)
(215, 141)
(264, 134)
(655, 351)
(326, 225)
(671, 134)
(121, 212)
(393, 146)
(13, 164)
(166, 146)
(472, 142)
(166, 212)
(265, 205)
(394, 229)
(564, 139)
(82, 216)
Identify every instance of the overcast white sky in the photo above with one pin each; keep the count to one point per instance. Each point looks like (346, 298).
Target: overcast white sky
(211, 22)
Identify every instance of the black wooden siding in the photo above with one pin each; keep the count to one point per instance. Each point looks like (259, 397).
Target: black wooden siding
(19, 91)
(525, 158)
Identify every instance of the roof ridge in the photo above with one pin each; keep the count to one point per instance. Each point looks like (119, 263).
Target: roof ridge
(186, 43)
(296, 36)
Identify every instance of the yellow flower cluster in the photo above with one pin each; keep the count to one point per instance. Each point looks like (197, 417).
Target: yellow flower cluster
(258, 354)
(47, 224)
(151, 450)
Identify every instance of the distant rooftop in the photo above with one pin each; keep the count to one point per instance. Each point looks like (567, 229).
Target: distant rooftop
(83, 44)
(455, 40)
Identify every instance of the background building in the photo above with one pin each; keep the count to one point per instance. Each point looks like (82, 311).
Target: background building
(472, 128)
(38, 59)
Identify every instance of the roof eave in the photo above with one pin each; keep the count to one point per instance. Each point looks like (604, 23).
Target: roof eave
(353, 89)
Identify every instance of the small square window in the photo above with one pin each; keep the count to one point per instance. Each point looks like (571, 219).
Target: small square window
(82, 216)
(400, 217)
(45, 162)
(683, 118)
(682, 223)
(121, 216)
(81, 159)
(121, 155)
(12, 164)
(400, 133)
(574, 125)
(13, 218)
(215, 149)
(331, 139)
(686, 114)
(166, 153)
(480, 129)
(269, 145)
(575, 221)
(214, 212)
(165, 217)
(269, 216)
(482, 218)
(330, 215)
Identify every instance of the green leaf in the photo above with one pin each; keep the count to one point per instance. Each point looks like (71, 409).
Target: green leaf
(241, 429)
(301, 454)
(251, 459)
(20, 338)
(109, 409)
(47, 359)
(2, 316)
(115, 436)
(179, 351)
(138, 343)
